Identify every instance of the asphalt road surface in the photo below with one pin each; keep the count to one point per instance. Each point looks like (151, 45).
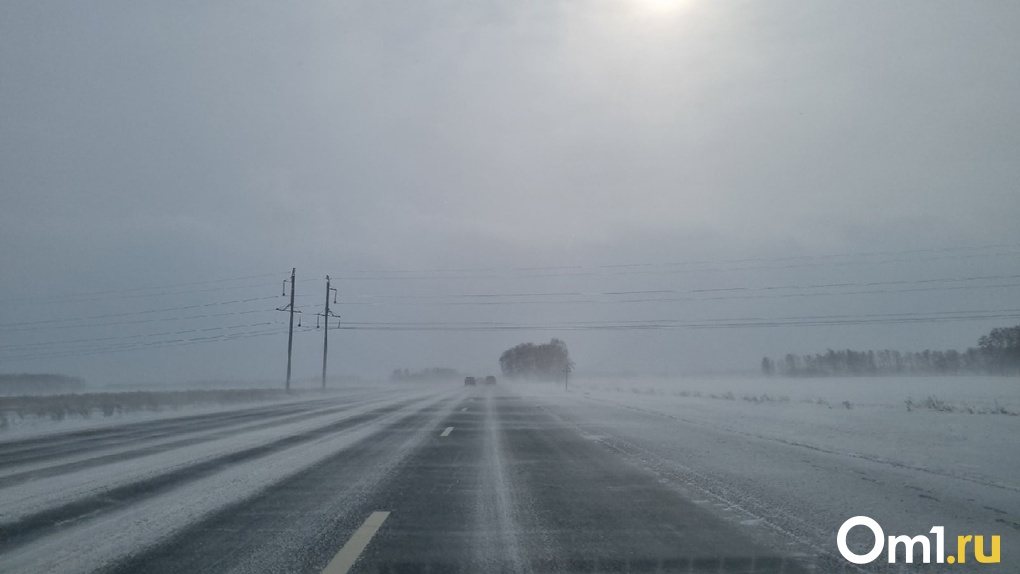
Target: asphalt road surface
(443, 480)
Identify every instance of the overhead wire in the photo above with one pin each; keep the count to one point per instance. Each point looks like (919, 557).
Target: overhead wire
(118, 343)
(675, 291)
(135, 336)
(702, 324)
(591, 270)
(161, 344)
(25, 325)
(681, 299)
(701, 262)
(133, 292)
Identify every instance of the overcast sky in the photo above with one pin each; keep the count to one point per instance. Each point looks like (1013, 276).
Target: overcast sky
(153, 153)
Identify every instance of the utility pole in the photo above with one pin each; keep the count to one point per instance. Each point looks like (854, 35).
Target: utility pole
(566, 377)
(325, 332)
(290, 333)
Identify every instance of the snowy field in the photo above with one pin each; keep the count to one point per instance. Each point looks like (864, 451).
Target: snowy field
(974, 391)
(862, 417)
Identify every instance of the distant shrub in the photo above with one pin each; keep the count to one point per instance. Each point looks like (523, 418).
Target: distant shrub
(765, 398)
(936, 404)
(933, 403)
(1001, 410)
(57, 412)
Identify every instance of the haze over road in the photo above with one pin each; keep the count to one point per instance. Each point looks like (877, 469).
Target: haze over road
(434, 478)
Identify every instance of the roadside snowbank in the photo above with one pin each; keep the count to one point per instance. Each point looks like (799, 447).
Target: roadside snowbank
(28, 416)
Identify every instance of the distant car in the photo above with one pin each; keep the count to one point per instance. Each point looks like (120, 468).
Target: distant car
(490, 380)
(469, 381)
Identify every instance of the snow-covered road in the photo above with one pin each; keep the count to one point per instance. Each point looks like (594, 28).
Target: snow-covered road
(512, 478)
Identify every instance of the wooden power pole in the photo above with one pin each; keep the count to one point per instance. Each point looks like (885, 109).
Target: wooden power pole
(325, 331)
(290, 332)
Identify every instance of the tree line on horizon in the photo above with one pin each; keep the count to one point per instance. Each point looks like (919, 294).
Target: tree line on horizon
(997, 353)
(531, 361)
(431, 374)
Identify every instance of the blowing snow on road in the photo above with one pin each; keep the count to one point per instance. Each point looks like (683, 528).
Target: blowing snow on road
(514, 478)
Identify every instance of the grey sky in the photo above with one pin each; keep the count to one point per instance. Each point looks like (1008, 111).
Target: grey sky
(147, 145)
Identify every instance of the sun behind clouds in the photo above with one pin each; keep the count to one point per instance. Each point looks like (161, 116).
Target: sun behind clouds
(662, 7)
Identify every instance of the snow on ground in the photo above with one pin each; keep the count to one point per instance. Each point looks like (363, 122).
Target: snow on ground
(976, 391)
(786, 458)
(798, 462)
(865, 417)
(167, 441)
(15, 427)
(52, 491)
(95, 544)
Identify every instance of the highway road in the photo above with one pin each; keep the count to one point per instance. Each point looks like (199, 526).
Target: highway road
(442, 479)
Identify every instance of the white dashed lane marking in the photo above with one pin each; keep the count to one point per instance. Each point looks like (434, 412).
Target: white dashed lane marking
(348, 555)
(447, 431)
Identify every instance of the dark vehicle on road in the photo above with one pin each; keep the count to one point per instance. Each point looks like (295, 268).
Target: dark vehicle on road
(469, 381)
(490, 380)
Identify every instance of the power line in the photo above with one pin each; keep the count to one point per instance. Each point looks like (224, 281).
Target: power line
(51, 344)
(43, 324)
(133, 292)
(700, 262)
(127, 342)
(676, 291)
(899, 318)
(970, 312)
(160, 344)
(143, 321)
(630, 268)
(358, 324)
(681, 299)
(122, 337)
(625, 325)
